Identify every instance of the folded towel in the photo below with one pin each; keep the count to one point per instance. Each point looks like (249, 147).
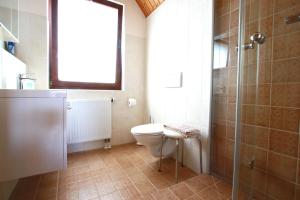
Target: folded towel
(186, 130)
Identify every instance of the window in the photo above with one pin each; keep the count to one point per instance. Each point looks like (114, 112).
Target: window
(85, 44)
(221, 54)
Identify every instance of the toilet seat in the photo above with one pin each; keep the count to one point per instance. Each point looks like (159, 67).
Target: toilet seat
(148, 129)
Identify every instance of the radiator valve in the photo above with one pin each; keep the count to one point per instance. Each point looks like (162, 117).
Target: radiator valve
(107, 144)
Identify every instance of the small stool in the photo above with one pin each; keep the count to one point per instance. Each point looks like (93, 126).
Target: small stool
(177, 136)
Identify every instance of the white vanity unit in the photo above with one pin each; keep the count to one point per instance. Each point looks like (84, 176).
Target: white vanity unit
(32, 132)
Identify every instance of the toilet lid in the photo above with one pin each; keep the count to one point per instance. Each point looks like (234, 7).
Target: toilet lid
(153, 129)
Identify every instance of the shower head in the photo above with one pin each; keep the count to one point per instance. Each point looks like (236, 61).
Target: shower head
(258, 38)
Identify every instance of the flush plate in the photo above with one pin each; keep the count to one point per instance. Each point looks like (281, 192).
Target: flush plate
(173, 80)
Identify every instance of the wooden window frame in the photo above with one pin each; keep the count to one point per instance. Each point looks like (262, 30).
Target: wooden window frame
(55, 83)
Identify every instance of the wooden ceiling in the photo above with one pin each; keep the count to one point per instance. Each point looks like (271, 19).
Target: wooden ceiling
(148, 6)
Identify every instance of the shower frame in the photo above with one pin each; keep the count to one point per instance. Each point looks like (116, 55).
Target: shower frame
(239, 83)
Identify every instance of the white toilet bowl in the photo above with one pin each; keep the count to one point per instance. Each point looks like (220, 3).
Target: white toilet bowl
(150, 135)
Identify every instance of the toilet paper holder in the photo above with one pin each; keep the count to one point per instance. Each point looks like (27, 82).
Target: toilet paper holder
(131, 102)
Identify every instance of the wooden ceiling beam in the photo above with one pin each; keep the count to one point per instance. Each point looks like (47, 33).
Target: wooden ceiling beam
(148, 6)
(141, 5)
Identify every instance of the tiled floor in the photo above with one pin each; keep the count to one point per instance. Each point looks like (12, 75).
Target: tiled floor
(124, 172)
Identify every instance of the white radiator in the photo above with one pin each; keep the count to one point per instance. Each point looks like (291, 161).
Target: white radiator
(88, 120)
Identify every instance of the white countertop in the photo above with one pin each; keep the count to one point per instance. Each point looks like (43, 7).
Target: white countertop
(7, 93)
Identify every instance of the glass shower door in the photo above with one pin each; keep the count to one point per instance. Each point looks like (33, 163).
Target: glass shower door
(253, 103)
(268, 101)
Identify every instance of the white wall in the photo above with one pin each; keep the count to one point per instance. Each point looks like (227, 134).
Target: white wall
(123, 117)
(179, 39)
(33, 50)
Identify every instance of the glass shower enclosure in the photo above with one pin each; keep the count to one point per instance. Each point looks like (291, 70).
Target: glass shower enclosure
(256, 98)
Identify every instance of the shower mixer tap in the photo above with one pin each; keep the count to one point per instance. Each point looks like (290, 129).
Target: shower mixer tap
(256, 38)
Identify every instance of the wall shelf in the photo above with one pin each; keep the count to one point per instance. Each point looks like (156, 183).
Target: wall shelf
(6, 35)
(223, 36)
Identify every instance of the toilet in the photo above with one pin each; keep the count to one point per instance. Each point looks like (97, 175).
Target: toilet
(151, 136)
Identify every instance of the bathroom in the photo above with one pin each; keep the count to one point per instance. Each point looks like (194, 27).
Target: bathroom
(227, 71)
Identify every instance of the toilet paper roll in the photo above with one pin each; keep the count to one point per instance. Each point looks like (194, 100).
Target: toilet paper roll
(131, 102)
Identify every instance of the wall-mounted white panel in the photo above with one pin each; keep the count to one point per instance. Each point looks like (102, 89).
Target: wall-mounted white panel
(173, 80)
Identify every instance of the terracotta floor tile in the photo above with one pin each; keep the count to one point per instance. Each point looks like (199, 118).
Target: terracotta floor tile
(102, 178)
(97, 165)
(131, 171)
(46, 193)
(23, 197)
(138, 178)
(68, 188)
(165, 194)
(49, 180)
(194, 197)
(149, 171)
(124, 172)
(147, 197)
(142, 166)
(181, 190)
(122, 183)
(160, 182)
(68, 179)
(87, 190)
(224, 188)
(124, 163)
(88, 194)
(83, 176)
(205, 179)
(97, 172)
(216, 179)
(116, 175)
(185, 173)
(145, 187)
(129, 192)
(105, 188)
(210, 193)
(27, 187)
(68, 195)
(111, 163)
(195, 185)
(113, 196)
